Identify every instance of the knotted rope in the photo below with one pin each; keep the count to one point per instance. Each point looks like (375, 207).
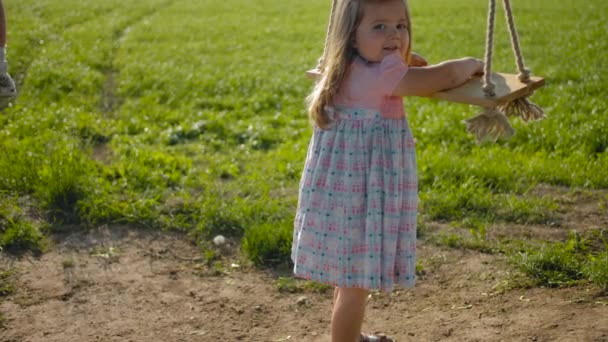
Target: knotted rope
(521, 107)
(488, 85)
(492, 123)
(524, 74)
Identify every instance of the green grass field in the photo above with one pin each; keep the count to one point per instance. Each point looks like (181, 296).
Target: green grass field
(189, 115)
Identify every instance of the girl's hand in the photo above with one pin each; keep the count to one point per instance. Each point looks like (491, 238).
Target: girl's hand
(417, 61)
(479, 66)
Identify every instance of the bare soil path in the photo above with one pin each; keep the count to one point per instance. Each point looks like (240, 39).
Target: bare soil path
(117, 284)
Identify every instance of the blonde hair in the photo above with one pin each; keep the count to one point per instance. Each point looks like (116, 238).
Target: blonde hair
(339, 52)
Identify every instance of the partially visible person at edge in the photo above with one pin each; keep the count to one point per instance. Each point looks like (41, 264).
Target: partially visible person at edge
(7, 85)
(355, 225)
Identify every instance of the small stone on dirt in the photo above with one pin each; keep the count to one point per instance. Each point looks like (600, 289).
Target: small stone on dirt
(302, 300)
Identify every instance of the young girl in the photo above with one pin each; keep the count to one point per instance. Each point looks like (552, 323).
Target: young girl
(355, 226)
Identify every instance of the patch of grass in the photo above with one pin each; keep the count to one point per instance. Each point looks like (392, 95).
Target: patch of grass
(19, 165)
(3, 320)
(63, 183)
(527, 209)
(551, 266)
(18, 233)
(472, 199)
(293, 285)
(7, 287)
(596, 267)
(19, 236)
(220, 218)
(456, 201)
(104, 206)
(268, 244)
(514, 280)
(288, 284)
(52, 168)
(596, 270)
(459, 242)
(566, 263)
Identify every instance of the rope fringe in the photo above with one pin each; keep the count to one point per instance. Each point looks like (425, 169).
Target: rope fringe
(490, 125)
(523, 108)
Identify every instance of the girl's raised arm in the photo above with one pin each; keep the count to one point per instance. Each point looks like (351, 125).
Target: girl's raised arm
(424, 81)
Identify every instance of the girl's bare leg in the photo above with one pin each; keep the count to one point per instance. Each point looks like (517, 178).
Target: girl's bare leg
(347, 315)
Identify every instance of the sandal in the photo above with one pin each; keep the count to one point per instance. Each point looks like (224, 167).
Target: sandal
(375, 338)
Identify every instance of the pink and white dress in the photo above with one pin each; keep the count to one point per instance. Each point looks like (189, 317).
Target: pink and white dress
(355, 224)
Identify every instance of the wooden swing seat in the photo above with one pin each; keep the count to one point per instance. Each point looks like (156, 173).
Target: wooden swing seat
(507, 88)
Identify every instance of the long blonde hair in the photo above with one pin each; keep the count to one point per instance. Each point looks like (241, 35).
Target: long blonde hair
(346, 15)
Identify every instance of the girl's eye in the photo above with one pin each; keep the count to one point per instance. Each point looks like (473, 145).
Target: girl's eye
(402, 27)
(380, 27)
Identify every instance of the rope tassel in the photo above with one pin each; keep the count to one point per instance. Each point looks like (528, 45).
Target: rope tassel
(490, 125)
(523, 108)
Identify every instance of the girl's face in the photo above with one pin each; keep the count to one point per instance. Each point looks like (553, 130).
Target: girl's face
(382, 31)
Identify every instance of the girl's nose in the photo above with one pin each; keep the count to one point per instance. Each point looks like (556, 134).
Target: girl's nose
(393, 31)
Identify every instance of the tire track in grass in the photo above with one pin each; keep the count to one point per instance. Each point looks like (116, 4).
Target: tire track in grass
(39, 44)
(110, 102)
(45, 35)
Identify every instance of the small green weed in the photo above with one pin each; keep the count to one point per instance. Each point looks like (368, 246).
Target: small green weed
(420, 271)
(109, 254)
(68, 263)
(210, 256)
(218, 268)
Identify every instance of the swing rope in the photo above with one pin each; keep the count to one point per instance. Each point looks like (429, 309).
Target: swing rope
(524, 74)
(320, 65)
(488, 85)
(521, 107)
(492, 123)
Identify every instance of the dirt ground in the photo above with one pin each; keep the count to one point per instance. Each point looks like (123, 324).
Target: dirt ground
(120, 284)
